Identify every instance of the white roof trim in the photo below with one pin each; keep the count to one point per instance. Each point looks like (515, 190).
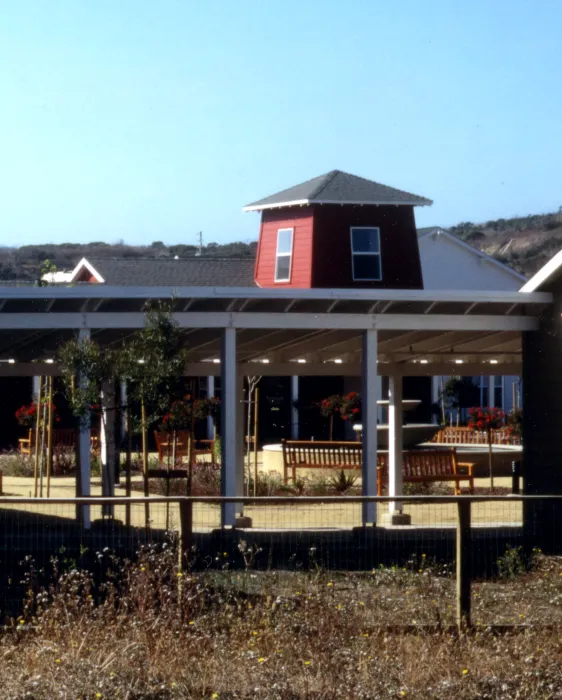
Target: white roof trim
(543, 274)
(303, 202)
(488, 258)
(91, 269)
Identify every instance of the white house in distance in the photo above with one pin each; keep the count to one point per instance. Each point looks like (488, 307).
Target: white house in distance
(450, 263)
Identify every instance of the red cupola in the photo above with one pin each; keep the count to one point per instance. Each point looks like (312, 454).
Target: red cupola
(339, 230)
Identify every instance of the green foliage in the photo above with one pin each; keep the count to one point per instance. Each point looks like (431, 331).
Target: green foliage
(461, 392)
(153, 361)
(516, 561)
(343, 482)
(94, 365)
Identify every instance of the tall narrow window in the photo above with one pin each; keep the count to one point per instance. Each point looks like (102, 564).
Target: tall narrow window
(366, 254)
(284, 255)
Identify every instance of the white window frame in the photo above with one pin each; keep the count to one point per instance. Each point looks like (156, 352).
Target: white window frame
(371, 253)
(284, 255)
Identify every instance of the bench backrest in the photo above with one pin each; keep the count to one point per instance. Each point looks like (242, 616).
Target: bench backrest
(425, 462)
(455, 436)
(62, 437)
(322, 453)
(165, 442)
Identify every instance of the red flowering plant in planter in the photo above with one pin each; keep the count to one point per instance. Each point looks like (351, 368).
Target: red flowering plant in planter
(331, 407)
(351, 407)
(487, 419)
(26, 415)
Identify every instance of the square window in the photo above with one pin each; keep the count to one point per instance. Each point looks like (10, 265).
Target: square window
(283, 268)
(285, 241)
(366, 267)
(365, 240)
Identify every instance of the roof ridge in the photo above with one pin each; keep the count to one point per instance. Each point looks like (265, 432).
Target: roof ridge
(326, 179)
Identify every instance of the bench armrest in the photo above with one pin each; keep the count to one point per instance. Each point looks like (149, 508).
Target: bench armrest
(469, 466)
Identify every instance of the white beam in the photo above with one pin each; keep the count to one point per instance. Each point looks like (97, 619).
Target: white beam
(310, 321)
(310, 369)
(369, 418)
(105, 291)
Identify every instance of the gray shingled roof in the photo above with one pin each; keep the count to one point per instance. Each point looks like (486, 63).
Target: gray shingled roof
(337, 187)
(185, 272)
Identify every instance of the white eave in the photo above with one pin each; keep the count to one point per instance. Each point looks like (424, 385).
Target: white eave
(91, 269)
(544, 274)
(306, 202)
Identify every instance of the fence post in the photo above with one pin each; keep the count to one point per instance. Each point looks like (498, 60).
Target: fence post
(186, 532)
(515, 474)
(464, 563)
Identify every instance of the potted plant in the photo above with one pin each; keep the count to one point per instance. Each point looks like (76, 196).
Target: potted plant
(486, 419)
(330, 407)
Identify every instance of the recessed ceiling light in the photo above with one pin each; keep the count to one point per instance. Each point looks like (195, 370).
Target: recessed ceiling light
(265, 361)
(459, 362)
(424, 362)
(301, 361)
(338, 361)
(141, 362)
(493, 362)
(216, 360)
(49, 361)
(11, 361)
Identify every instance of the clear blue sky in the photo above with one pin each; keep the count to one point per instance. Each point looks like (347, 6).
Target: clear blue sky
(153, 119)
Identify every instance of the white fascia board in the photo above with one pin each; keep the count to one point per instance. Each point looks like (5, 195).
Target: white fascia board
(94, 291)
(294, 203)
(281, 321)
(359, 203)
(479, 253)
(546, 271)
(91, 269)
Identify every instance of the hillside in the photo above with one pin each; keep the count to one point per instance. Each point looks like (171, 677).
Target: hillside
(525, 243)
(25, 263)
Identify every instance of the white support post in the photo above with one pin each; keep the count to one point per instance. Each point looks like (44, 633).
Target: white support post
(124, 399)
(210, 422)
(240, 440)
(107, 445)
(294, 409)
(395, 444)
(435, 396)
(491, 388)
(380, 409)
(84, 443)
(35, 388)
(369, 392)
(229, 425)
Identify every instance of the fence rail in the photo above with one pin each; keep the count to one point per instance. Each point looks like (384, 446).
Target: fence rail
(469, 534)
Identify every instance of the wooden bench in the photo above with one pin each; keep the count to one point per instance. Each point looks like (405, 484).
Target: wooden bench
(422, 466)
(164, 444)
(451, 435)
(304, 454)
(63, 438)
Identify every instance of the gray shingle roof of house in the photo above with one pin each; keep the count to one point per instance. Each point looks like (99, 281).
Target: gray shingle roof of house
(337, 187)
(185, 272)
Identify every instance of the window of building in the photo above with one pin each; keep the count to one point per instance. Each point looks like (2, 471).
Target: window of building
(284, 255)
(366, 254)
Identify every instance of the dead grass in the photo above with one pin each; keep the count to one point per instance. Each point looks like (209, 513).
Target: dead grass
(152, 631)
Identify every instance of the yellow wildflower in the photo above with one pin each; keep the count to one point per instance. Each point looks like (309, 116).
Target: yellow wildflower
(307, 663)
(465, 671)
(329, 584)
(57, 661)
(261, 660)
(192, 622)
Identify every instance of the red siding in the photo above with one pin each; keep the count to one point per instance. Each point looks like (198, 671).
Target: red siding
(400, 257)
(300, 219)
